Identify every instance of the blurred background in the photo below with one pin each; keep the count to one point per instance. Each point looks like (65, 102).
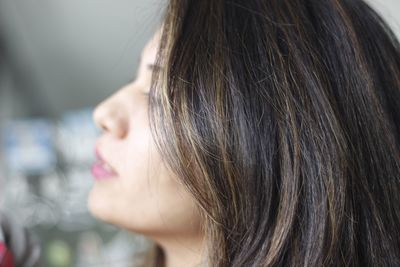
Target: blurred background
(58, 59)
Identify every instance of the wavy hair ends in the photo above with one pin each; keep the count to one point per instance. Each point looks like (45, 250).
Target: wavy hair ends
(282, 118)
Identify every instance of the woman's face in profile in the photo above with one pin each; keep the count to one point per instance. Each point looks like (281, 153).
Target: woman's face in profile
(139, 194)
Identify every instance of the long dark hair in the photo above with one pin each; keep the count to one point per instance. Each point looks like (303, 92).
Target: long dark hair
(282, 118)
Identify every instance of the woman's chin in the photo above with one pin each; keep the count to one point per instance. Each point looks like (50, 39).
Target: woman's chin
(101, 202)
(98, 208)
(102, 210)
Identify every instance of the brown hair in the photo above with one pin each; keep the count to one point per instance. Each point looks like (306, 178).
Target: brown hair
(282, 118)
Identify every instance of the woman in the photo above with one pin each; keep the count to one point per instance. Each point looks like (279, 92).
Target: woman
(258, 133)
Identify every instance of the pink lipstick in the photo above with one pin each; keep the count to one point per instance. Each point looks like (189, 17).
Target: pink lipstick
(101, 170)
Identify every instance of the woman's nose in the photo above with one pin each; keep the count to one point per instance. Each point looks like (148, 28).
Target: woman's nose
(111, 118)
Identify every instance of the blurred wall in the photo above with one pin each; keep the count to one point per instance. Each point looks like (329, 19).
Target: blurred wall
(71, 54)
(390, 11)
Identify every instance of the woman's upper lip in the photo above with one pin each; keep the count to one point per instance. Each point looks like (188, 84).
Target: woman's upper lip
(98, 155)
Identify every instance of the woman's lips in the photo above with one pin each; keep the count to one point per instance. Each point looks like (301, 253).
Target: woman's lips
(101, 169)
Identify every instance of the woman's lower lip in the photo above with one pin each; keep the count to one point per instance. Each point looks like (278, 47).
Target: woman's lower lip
(100, 173)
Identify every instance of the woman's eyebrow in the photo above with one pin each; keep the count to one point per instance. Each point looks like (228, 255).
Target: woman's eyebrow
(154, 67)
(150, 66)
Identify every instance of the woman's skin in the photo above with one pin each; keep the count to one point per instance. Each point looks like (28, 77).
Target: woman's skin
(143, 196)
